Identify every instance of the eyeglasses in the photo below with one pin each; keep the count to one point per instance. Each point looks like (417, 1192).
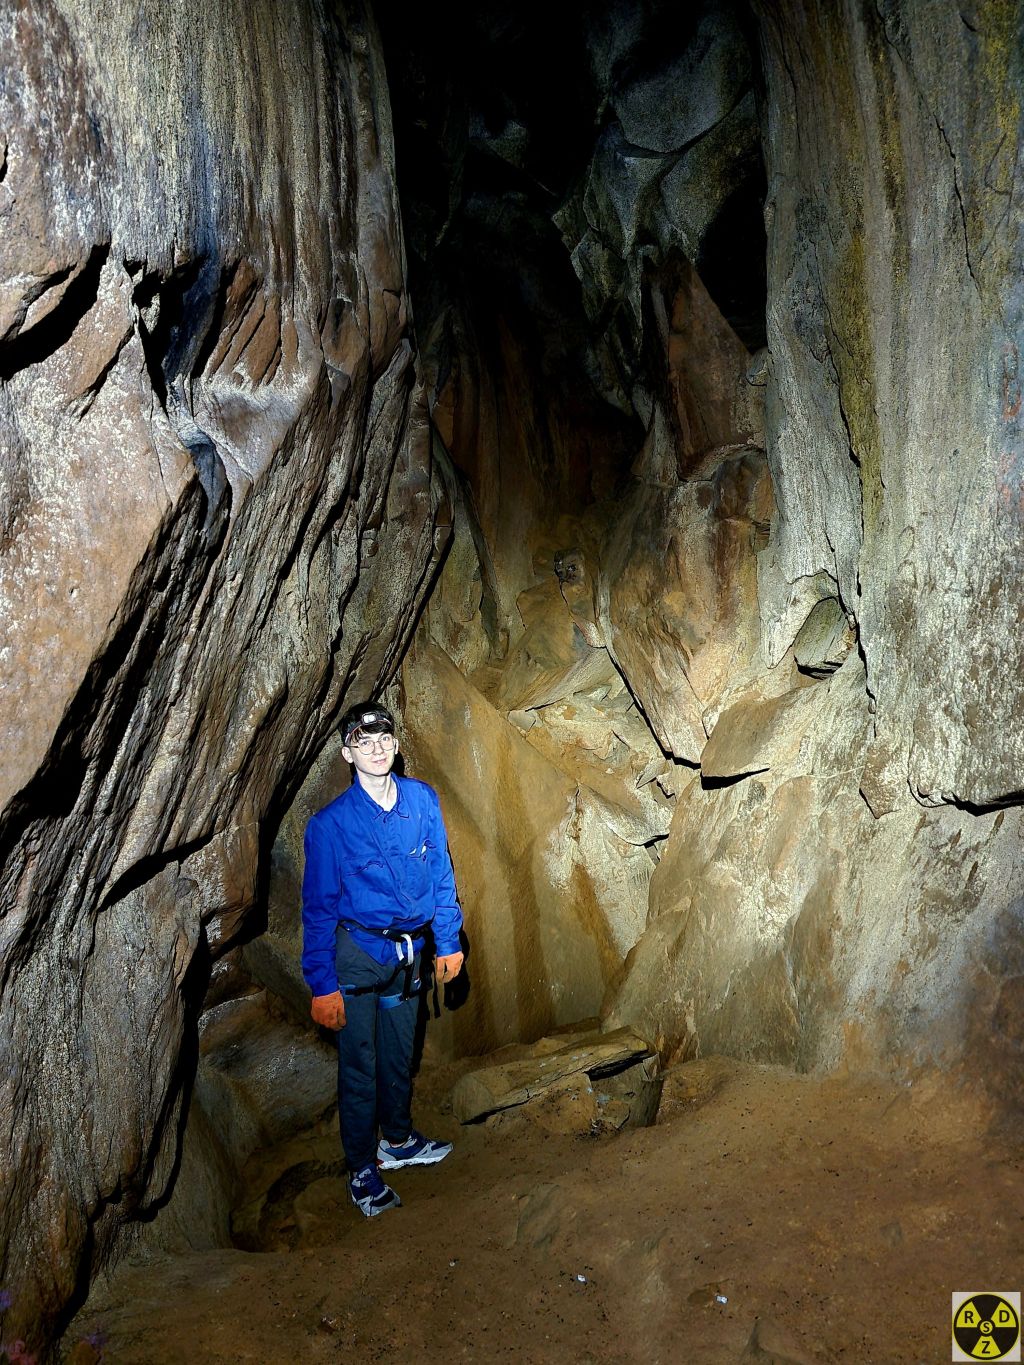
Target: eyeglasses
(367, 744)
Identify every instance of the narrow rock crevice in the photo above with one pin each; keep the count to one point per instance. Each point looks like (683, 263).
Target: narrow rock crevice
(32, 344)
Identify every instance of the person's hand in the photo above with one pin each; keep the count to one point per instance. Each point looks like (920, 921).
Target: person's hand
(448, 967)
(329, 1010)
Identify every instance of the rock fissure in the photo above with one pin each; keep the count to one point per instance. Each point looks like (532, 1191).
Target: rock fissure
(960, 203)
(40, 336)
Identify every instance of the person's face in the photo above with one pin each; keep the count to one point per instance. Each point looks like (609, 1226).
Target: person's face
(372, 755)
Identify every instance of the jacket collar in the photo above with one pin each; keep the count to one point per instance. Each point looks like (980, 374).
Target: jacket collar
(370, 807)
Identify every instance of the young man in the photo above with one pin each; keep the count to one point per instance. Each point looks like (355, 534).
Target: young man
(377, 882)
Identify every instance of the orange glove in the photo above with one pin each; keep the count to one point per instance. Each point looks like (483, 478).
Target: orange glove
(448, 968)
(329, 1010)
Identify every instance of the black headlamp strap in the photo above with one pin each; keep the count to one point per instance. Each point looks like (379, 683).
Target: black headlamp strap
(368, 718)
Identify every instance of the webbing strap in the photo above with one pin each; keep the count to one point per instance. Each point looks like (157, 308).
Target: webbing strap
(386, 1002)
(390, 1002)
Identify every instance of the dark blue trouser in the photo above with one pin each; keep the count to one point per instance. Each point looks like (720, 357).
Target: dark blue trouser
(374, 1054)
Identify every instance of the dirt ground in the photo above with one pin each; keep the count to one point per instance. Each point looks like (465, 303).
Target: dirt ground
(766, 1216)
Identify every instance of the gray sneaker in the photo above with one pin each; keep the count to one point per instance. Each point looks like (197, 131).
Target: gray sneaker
(369, 1193)
(416, 1150)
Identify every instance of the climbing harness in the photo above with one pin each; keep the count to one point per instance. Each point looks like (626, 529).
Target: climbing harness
(403, 941)
(409, 988)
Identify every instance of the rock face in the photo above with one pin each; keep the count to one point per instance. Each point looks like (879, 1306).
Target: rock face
(680, 139)
(551, 867)
(894, 404)
(806, 575)
(806, 908)
(216, 519)
(788, 924)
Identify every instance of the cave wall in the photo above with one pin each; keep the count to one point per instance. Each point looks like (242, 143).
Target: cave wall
(603, 421)
(217, 521)
(719, 683)
(893, 142)
(842, 883)
(804, 569)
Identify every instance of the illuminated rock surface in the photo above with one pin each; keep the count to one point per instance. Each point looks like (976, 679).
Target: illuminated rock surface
(216, 519)
(720, 678)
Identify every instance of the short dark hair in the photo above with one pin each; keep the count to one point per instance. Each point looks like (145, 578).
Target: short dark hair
(367, 718)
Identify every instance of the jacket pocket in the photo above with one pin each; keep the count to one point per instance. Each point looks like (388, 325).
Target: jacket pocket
(422, 851)
(357, 869)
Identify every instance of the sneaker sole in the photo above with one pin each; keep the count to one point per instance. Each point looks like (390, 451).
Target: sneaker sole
(390, 1163)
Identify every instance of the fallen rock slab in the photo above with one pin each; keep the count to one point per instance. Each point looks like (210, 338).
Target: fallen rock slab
(507, 1084)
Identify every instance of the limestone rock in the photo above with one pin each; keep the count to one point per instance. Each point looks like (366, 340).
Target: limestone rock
(216, 522)
(291, 1193)
(787, 924)
(883, 781)
(544, 922)
(681, 94)
(506, 1085)
(889, 260)
(552, 660)
(664, 174)
(530, 445)
(785, 734)
(602, 741)
(824, 639)
(622, 813)
(681, 580)
(694, 193)
(706, 366)
(462, 610)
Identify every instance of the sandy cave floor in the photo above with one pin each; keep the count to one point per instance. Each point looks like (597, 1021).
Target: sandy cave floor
(834, 1216)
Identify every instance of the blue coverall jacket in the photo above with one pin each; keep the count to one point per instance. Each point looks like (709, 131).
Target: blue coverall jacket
(369, 869)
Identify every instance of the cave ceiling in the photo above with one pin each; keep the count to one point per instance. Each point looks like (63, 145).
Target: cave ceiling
(505, 118)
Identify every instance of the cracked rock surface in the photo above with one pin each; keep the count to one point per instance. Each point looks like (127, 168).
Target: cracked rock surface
(720, 678)
(804, 563)
(216, 519)
(894, 321)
